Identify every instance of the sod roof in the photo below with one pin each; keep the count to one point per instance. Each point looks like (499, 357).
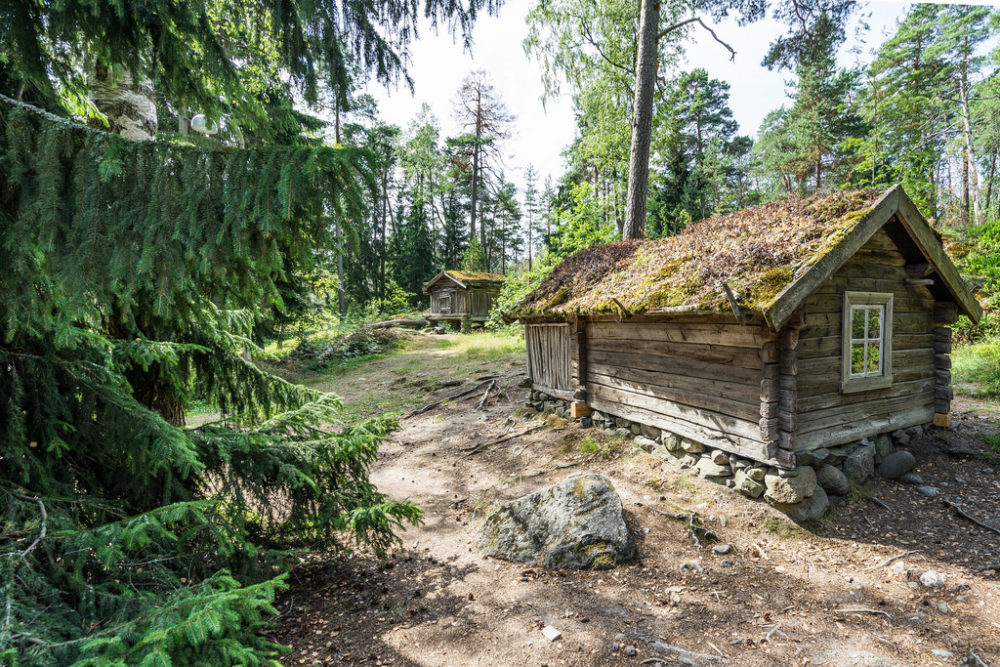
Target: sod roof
(757, 252)
(467, 278)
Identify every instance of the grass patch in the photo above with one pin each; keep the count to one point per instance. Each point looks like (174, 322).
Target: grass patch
(976, 369)
(784, 529)
(482, 346)
(992, 453)
(599, 447)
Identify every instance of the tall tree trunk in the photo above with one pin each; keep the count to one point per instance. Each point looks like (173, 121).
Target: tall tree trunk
(971, 189)
(642, 121)
(385, 215)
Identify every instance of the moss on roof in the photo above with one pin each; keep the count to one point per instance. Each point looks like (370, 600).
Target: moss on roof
(476, 277)
(756, 252)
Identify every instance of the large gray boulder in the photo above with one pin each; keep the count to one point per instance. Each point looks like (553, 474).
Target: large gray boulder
(576, 524)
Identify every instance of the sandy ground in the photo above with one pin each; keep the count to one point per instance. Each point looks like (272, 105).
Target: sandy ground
(784, 595)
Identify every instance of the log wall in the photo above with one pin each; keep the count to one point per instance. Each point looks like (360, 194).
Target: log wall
(825, 417)
(699, 379)
(475, 302)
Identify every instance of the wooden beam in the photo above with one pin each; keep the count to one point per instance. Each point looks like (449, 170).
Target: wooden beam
(942, 419)
(734, 304)
(931, 247)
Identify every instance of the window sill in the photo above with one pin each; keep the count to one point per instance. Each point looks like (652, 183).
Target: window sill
(856, 385)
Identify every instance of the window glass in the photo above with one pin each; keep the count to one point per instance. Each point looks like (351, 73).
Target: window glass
(857, 358)
(873, 358)
(857, 322)
(874, 322)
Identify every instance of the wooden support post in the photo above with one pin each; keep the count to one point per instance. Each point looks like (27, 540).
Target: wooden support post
(579, 409)
(788, 370)
(942, 420)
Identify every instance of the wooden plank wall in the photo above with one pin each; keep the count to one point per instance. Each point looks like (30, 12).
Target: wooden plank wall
(481, 301)
(458, 298)
(697, 378)
(550, 353)
(824, 417)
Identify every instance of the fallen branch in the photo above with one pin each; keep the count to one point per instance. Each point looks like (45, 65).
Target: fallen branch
(974, 659)
(879, 503)
(965, 515)
(431, 406)
(682, 655)
(865, 610)
(486, 445)
(486, 395)
(398, 323)
(890, 561)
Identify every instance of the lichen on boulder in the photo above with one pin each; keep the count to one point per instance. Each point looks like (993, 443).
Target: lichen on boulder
(578, 524)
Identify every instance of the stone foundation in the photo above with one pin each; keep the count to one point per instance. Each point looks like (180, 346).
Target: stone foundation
(801, 493)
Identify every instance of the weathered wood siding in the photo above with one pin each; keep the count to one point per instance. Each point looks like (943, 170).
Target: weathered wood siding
(551, 350)
(699, 379)
(475, 302)
(825, 417)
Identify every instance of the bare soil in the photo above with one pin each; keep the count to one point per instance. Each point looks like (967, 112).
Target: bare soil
(785, 594)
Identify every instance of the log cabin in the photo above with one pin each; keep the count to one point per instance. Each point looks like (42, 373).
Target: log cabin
(458, 296)
(768, 333)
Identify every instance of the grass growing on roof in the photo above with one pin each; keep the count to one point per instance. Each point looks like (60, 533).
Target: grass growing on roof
(755, 251)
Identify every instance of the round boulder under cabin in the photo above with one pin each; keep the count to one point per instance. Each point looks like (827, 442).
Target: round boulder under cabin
(458, 296)
(783, 335)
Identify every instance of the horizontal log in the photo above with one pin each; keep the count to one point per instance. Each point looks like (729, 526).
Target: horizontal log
(716, 354)
(942, 346)
(945, 312)
(769, 390)
(786, 440)
(675, 366)
(831, 346)
(733, 400)
(816, 384)
(788, 363)
(716, 421)
(734, 335)
(902, 323)
(769, 410)
(942, 361)
(844, 415)
(788, 401)
(942, 376)
(919, 388)
(768, 352)
(788, 384)
(943, 392)
(942, 419)
(901, 359)
(699, 432)
(917, 270)
(901, 303)
(942, 405)
(768, 429)
(832, 437)
(561, 394)
(398, 323)
(942, 334)
(788, 339)
(787, 421)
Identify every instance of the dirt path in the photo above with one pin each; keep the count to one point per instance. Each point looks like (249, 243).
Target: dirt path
(777, 599)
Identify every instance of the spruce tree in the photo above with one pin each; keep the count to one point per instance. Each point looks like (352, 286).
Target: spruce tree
(128, 539)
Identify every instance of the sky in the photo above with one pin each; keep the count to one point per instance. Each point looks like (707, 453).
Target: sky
(439, 63)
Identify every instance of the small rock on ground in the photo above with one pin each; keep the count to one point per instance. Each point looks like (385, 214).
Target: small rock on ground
(928, 490)
(933, 579)
(551, 633)
(912, 478)
(833, 481)
(896, 464)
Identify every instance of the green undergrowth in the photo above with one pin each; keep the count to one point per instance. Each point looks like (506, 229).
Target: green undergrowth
(483, 346)
(976, 368)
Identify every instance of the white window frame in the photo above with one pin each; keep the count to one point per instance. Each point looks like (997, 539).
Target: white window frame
(866, 380)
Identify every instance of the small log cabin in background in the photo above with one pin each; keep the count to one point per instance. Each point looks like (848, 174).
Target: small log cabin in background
(460, 295)
(765, 333)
